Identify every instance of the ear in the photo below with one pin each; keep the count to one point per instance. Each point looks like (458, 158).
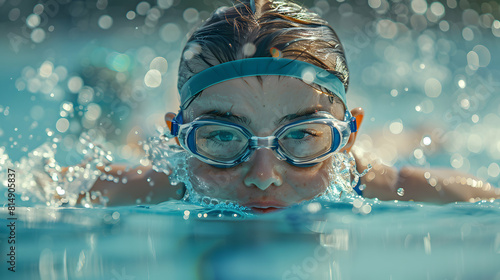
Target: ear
(358, 113)
(168, 119)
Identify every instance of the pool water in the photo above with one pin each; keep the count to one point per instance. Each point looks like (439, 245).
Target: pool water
(396, 240)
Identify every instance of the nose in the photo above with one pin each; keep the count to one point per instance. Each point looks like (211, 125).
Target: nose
(263, 171)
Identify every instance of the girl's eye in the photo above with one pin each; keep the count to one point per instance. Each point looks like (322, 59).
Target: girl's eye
(300, 134)
(223, 136)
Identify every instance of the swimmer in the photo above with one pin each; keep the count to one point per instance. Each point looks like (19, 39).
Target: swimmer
(263, 110)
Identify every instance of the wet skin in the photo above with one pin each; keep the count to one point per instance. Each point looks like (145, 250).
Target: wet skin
(263, 183)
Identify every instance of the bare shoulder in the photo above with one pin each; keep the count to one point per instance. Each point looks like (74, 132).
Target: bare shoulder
(436, 185)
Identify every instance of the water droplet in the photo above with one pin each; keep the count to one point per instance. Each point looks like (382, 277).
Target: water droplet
(493, 170)
(418, 153)
(170, 32)
(437, 9)
(152, 78)
(142, 8)
(115, 215)
(483, 55)
(38, 35)
(75, 84)
(366, 209)
(432, 87)
(357, 203)
(14, 14)
(444, 25)
(387, 29)
(308, 75)
(249, 49)
(374, 4)
(396, 127)
(419, 6)
(62, 125)
(426, 141)
(468, 34)
(33, 20)
(313, 207)
(130, 15)
(191, 15)
(401, 192)
(159, 63)
(105, 22)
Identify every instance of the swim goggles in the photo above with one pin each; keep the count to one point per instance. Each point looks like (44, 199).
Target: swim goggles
(302, 143)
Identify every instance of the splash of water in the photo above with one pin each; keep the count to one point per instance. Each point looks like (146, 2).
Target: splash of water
(41, 179)
(172, 160)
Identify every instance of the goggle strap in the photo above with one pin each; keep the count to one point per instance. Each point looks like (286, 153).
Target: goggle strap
(174, 129)
(259, 66)
(353, 125)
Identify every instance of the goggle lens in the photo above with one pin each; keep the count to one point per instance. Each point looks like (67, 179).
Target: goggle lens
(220, 142)
(306, 141)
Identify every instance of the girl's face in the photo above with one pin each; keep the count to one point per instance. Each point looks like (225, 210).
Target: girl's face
(264, 183)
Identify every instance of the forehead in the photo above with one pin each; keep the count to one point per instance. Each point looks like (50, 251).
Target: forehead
(263, 98)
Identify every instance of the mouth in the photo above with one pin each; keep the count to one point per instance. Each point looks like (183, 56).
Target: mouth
(265, 207)
(262, 210)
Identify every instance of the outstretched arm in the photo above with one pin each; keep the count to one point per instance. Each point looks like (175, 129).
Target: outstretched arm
(420, 184)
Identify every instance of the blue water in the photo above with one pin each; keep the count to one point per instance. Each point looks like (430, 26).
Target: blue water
(435, 77)
(394, 241)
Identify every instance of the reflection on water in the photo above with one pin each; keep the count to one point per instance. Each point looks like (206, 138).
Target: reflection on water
(183, 241)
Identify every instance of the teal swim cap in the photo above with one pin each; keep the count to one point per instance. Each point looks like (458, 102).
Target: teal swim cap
(258, 66)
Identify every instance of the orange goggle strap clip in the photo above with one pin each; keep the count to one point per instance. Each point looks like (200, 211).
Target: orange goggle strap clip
(173, 126)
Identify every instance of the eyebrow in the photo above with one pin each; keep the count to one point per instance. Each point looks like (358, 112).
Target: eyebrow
(230, 116)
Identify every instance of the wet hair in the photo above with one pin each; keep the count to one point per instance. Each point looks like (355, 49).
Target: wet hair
(265, 28)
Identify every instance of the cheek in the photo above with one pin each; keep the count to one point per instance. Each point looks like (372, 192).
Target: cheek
(310, 181)
(212, 181)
